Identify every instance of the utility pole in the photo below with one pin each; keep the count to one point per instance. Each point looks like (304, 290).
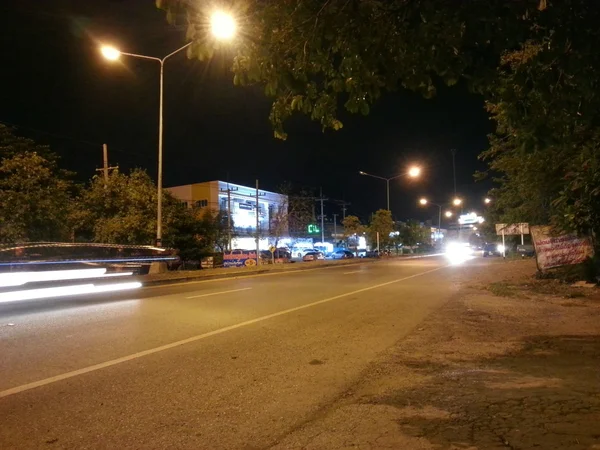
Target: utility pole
(453, 151)
(228, 190)
(344, 208)
(105, 167)
(322, 216)
(257, 227)
(335, 226)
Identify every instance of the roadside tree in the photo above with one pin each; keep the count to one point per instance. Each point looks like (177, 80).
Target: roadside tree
(35, 194)
(382, 223)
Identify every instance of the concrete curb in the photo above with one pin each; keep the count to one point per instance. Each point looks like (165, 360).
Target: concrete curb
(147, 281)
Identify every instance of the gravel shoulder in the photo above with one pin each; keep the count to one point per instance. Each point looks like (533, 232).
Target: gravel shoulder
(510, 362)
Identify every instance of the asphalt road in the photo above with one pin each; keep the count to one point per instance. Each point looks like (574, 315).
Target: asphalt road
(234, 363)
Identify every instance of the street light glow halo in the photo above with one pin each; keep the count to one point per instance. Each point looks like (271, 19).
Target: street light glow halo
(414, 171)
(457, 202)
(423, 201)
(222, 25)
(110, 53)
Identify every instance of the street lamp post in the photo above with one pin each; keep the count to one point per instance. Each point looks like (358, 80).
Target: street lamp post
(413, 172)
(222, 27)
(113, 54)
(424, 202)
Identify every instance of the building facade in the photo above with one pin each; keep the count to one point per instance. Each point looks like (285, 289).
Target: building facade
(241, 205)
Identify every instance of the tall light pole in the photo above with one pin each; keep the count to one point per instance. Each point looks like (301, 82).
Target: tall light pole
(222, 27)
(453, 151)
(413, 172)
(424, 202)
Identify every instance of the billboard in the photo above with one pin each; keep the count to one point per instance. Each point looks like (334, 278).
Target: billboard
(512, 229)
(239, 258)
(470, 219)
(559, 250)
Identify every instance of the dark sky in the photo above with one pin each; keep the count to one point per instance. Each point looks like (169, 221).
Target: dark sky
(57, 89)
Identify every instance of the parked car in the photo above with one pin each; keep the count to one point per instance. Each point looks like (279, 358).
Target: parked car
(279, 256)
(342, 254)
(300, 252)
(526, 251)
(492, 249)
(313, 256)
(370, 254)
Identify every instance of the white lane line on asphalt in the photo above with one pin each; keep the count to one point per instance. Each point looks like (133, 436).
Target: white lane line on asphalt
(218, 293)
(151, 351)
(354, 271)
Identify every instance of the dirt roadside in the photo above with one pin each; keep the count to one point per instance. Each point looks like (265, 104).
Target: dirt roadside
(510, 363)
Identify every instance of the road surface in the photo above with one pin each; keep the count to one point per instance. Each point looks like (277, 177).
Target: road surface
(221, 364)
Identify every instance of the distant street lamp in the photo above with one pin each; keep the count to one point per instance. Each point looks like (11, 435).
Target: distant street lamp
(223, 27)
(424, 201)
(413, 172)
(448, 214)
(487, 200)
(457, 202)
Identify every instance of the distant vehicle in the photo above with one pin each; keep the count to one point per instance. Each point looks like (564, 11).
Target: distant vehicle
(369, 254)
(342, 254)
(526, 251)
(313, 256)
(300, 252)
(278, 255)
(492, 249)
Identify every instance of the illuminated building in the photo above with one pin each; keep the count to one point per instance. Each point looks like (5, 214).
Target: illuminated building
(240, 201)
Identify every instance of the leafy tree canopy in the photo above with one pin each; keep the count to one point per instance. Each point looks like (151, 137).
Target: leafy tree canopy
(123, 211)
(352, 226)
(34, 193)
(535, 62)
(312, 55)
(382, 223)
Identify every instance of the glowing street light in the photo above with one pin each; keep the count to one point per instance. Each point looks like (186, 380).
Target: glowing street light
(457, 202)
(448, 214)
(424, 201)
(110, 53)
(487, 201)
(413, 172)
(223, 27)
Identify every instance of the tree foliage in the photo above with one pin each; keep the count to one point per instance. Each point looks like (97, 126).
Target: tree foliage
(546, 104)
(412, 233)
(212, 232)
(535, 62)
(312, 56)
(382, 223)
(121, 212)
(352, 226)
(300, 209)
(35, 195)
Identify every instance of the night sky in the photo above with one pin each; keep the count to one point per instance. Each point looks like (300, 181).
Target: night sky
(58, 90)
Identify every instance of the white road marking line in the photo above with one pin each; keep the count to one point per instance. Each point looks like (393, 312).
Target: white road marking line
(354, 271)
(218, 293)
(114, 362)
